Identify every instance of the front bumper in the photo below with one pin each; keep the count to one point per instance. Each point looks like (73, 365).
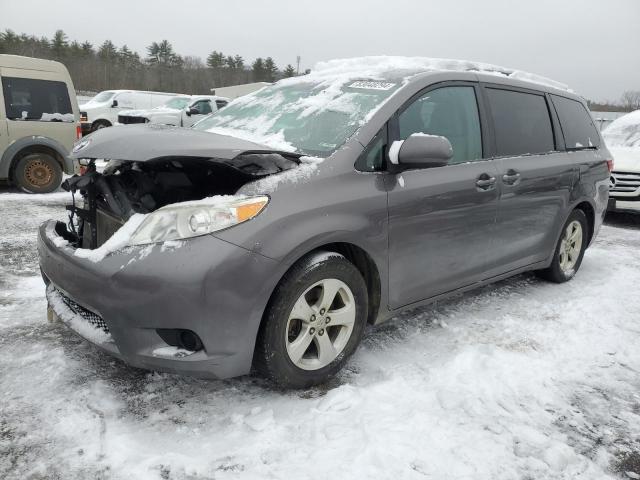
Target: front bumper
(206, 285)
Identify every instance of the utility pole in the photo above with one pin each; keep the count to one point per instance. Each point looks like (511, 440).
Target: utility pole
(298, 65)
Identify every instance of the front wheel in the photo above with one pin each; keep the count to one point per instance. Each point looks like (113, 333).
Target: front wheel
(569, 250)
(314, 321)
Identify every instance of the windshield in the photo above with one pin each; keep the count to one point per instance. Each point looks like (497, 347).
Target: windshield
(624, 131)
(103, 97)
(311, 117)
(178, 103)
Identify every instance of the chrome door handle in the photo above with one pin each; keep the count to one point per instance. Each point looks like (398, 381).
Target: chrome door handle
(511, 177)
(485, 182)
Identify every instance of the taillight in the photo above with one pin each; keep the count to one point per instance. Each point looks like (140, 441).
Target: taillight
(78, 131)
(610, 165)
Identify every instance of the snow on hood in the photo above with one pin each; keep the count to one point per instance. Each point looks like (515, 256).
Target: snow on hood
(626, 159)
(623, 131)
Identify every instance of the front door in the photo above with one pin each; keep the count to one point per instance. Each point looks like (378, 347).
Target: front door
(441, 220)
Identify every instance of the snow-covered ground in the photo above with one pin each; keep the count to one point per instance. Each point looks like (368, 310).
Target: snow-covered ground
(519, 380)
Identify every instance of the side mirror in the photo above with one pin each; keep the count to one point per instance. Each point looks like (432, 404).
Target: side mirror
(192, 111)
(114, 104)
(421, 151)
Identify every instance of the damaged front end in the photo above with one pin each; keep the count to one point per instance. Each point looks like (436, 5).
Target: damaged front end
(144, 185)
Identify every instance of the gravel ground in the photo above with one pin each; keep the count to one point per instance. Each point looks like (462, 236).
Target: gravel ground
(521, 379)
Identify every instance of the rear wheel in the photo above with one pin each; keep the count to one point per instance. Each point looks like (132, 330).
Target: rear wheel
(314, 321)
(38, 173)
(569, 250)
(99, 124)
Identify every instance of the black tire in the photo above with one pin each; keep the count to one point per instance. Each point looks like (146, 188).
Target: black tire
(555, 273)
(98, 124)
(271, 358)
(38, 173)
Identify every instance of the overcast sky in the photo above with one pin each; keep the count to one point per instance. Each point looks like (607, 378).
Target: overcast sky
(592, 45)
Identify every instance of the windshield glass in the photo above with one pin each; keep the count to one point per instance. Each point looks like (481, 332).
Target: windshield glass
(103, 97)
(624, 131)
(311, 117)
(178, 103)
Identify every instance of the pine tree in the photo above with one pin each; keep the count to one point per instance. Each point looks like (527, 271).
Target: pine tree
(289, 71)
(258, 70)
(59, 45)
(216, 59)
(270, 70)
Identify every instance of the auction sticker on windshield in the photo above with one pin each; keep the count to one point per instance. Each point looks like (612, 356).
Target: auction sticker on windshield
(372, 85)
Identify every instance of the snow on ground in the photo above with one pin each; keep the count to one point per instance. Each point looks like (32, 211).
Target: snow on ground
(522, 379)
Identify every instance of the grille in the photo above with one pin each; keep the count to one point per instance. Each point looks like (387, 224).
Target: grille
(624, 182)
(87, 315)
(126, 119)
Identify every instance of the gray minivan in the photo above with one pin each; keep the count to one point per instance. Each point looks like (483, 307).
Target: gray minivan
(39, 123)
(272, 232)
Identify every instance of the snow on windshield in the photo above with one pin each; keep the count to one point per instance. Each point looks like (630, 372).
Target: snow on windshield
(624, 131)
(178, 103)
(316, 113)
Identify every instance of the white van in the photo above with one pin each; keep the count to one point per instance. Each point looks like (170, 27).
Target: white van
(103, 109)
(182, 111)
(39, 123)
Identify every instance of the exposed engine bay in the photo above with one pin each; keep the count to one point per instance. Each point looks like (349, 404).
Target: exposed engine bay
(128, 187)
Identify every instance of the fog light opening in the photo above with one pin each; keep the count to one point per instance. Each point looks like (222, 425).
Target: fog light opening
(190, 341)
(184, 339)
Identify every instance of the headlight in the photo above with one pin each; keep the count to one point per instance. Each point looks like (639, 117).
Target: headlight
(192, 219)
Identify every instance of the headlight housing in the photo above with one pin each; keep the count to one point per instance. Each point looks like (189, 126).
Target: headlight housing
(192, 219)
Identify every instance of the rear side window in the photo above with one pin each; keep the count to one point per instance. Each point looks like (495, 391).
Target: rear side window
(221, 104)
(31, 99)
(576, 123)
(451, 112)
(521, 122)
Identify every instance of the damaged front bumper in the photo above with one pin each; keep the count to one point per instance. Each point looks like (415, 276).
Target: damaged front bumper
(206, 285)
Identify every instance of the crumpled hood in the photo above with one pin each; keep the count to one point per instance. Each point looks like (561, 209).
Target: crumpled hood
(150, 141)
(626, 159)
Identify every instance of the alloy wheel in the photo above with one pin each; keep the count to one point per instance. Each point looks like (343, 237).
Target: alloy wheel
(320, 324)
(570, 247)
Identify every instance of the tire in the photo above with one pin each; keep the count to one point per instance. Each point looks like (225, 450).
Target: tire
(38, 173)
(280, 353)
(97, 125)
(564, 265)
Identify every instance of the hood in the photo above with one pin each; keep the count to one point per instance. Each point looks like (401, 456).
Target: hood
(626, 159)
(150, 141)
(150, 112)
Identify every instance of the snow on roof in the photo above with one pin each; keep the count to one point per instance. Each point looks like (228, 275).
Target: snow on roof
(406, 67)
(624, 131)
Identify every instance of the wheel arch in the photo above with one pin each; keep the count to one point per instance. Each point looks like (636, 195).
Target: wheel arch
(27, 146)
(590, 213)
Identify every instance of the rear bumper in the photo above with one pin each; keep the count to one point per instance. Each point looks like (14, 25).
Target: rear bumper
(208, 286)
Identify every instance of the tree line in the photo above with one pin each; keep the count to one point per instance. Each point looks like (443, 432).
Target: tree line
(108, 66)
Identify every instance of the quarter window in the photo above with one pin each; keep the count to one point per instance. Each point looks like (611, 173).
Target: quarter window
(576, 123)
(521, 122)
(31, 99)
(451, 112)
(373, 158)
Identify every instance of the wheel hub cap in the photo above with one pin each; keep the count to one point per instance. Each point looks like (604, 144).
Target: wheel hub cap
(320, 324)
(570, 247)
(38, 173)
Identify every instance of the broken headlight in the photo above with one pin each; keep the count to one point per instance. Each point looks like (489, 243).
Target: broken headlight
(192, 219)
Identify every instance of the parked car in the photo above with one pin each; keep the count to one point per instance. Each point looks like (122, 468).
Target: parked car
(103, 109)
(39, 123)
(269, 234)
(181, 111)
(622, 137)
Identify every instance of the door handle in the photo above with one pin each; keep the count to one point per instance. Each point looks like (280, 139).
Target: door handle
(511, 177)
(485, 182)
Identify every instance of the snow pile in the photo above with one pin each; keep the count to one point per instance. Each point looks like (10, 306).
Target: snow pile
(171, 352)
(308, 166)
(624, 131)
(57, 117)
(118, 240)
(73, 320)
